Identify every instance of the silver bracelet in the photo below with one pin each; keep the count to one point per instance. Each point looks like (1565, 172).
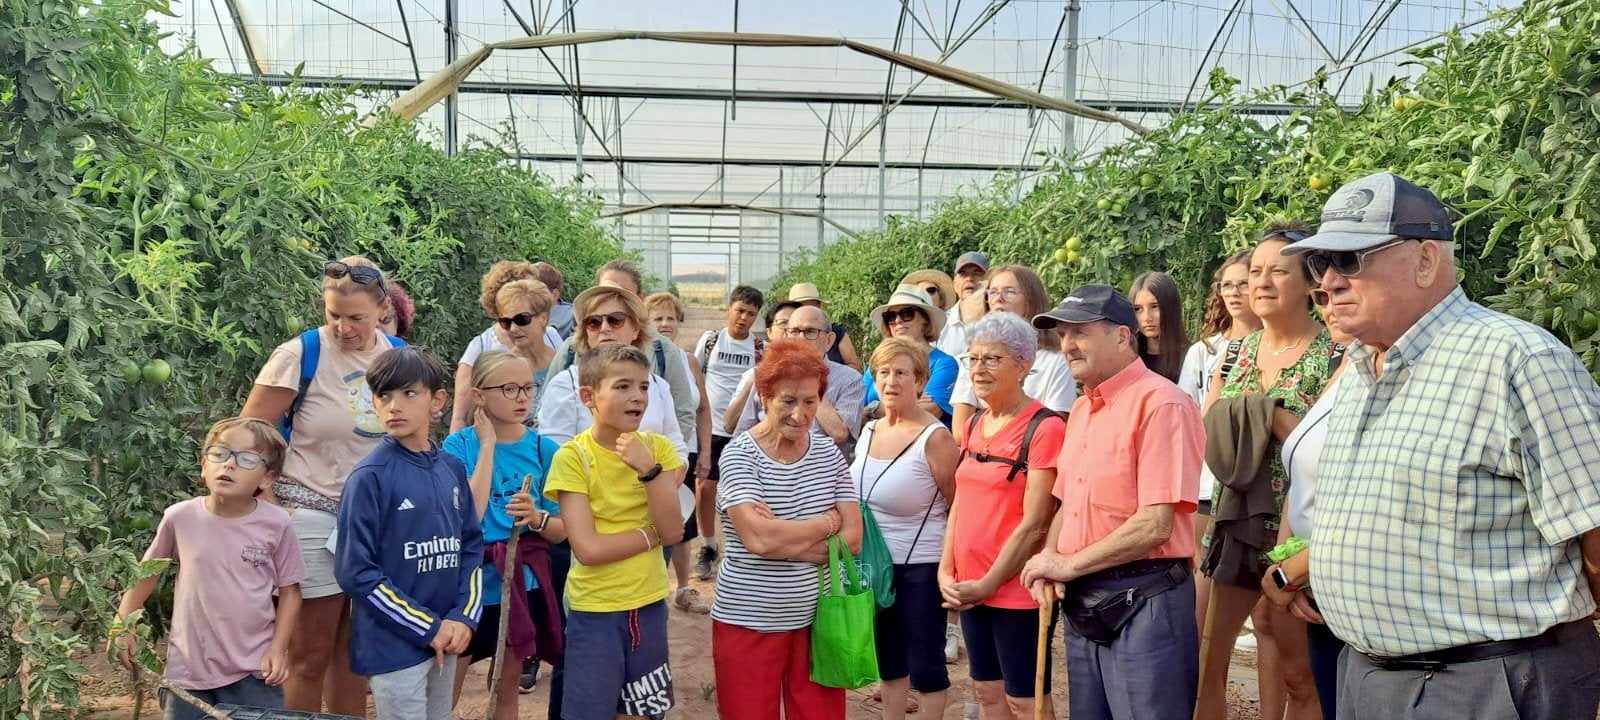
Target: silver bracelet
(647, 544)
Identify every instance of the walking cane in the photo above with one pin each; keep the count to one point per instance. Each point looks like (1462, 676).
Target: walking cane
(1042, 654)
(1205, 636)
(506, 578)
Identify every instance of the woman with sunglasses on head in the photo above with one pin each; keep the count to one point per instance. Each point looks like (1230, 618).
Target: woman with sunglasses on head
(499, 451)
(1287, 361)
(315, 387)
(495, 337)
(1287, 583)
(1159, 310)
(1018, 290)
(606, 314)
(910, 315)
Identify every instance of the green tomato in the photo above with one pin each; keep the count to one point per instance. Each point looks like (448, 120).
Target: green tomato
(1589, 323)
(1074, 242)
(1073, 256)
(1062, 255)
(140, 524)
(1102, 204)
(130, 371)
(199, 201)
(156, 372)
(1147, 180)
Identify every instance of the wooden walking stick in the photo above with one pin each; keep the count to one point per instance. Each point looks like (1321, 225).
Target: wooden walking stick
(507, 577)
(1042, 654)
(1205, 636)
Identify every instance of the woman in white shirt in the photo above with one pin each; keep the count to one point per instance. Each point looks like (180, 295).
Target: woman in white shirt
(1018, 290)
(606, 314)
(905, 471)
(1302, 452)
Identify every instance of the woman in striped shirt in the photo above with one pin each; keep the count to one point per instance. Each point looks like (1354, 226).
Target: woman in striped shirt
(784, 491)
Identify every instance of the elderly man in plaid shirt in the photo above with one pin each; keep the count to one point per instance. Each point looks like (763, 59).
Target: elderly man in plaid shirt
(1455, 547)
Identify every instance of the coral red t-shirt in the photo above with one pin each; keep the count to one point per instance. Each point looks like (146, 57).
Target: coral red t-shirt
(988, 508)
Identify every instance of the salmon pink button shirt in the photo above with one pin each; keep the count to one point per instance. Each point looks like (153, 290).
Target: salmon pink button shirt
(1134, 440)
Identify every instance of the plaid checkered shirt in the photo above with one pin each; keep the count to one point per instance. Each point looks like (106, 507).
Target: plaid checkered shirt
(1454, 487)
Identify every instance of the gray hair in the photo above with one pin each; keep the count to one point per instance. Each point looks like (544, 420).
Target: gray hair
(1008, 330)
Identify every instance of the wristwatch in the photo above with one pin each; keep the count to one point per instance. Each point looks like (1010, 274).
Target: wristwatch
(651, 474)
(544, 521)
(1281, 579)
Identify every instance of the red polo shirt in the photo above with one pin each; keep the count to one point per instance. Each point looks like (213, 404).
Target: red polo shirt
(1135, 440)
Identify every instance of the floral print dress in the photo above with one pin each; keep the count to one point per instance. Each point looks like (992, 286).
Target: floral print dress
(1298, 386)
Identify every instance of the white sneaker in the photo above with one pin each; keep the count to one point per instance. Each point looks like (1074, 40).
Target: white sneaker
(952, 643)
(1246, 642)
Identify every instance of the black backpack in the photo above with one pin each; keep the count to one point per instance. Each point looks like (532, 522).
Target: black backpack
(1020, 463)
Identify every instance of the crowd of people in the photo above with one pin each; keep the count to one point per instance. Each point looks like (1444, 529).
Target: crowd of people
(1397, 489)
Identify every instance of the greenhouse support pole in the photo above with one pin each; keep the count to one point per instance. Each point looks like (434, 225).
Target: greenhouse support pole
(1069, 78)
(783, 202)
(450, 110)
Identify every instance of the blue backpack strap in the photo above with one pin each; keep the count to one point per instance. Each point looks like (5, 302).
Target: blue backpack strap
(310, 356)
(394, 342)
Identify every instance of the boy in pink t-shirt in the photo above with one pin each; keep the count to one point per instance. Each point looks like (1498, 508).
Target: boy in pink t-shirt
(228, 644)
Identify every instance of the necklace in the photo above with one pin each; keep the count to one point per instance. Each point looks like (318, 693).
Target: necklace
(1287, 348)
(1011, 413)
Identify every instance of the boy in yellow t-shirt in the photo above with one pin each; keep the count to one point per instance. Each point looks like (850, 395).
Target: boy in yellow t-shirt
(618, 490)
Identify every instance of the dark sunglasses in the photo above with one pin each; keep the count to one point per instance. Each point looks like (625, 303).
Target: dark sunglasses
(1348, 263)
(362, 274)
(519, 319)
(613, 320)
(902, 315)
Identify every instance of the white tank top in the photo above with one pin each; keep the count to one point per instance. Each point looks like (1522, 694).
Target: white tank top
(910, 510)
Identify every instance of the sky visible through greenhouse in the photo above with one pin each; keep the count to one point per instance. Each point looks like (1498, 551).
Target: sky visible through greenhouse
(805, 129)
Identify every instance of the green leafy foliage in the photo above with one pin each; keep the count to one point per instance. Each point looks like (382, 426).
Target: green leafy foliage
(1504, 128)
(162, 228)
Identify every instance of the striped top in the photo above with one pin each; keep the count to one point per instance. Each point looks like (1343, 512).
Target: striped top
(764, 594)
(1455, 486)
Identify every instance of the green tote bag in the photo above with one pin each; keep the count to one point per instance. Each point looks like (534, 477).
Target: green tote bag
(843, 654)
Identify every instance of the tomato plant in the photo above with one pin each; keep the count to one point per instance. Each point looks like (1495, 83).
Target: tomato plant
(162, 228)
(1504, 128)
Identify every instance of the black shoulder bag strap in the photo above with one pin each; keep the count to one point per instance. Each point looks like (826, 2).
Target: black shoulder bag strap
(926, 513)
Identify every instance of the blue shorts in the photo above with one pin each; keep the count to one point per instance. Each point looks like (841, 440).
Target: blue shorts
(616, 664)
(910, 633)
(1001, 644)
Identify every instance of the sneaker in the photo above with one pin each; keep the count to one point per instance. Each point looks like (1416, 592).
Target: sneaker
(952, 643)
(703, 562)
(530, 676)
(688, 599)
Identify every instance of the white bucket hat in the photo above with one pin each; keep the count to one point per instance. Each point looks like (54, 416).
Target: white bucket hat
(907, 295)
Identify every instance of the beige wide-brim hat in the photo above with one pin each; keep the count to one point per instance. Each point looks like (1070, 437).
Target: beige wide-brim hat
(910, 296)
(947, 287)
(805, 292)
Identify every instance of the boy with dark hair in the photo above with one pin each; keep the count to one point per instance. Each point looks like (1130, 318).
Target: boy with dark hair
(409, 546)
(233, 551)
(724, 357)
(618, 490)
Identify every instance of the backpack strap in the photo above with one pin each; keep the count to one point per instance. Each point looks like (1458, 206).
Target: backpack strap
(1021, 465)
(310, 357)
(707, 349)
(972, 426)
(661, 358)
(1230, 357)
(1336, 357)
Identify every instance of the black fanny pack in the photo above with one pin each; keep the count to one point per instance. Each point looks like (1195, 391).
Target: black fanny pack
(1098, 607)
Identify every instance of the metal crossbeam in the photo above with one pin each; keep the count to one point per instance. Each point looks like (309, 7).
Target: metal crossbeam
(748, 96)
(782, 162)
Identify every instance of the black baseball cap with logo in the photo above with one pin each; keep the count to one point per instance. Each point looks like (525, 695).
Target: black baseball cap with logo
(1374, 210)
(1090, 303)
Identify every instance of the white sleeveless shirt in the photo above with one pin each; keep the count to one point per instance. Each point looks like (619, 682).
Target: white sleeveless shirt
(910, 510)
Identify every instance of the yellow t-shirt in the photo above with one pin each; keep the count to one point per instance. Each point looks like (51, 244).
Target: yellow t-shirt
(618, 501)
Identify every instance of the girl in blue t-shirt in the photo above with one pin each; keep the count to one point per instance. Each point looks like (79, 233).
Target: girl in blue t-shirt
(499, 451)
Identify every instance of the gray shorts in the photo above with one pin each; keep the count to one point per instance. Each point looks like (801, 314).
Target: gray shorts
(313, 528)
(419, 692)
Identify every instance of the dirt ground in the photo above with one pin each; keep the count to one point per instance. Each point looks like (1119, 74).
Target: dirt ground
(108, 693)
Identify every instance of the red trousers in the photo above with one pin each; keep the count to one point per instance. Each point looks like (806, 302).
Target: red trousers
(757, 673)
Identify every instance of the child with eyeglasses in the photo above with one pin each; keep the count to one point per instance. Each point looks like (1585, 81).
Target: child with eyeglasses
(227, 643)
(499, 452)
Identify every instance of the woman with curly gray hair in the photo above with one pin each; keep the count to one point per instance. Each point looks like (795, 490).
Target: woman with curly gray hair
(1000, 515)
